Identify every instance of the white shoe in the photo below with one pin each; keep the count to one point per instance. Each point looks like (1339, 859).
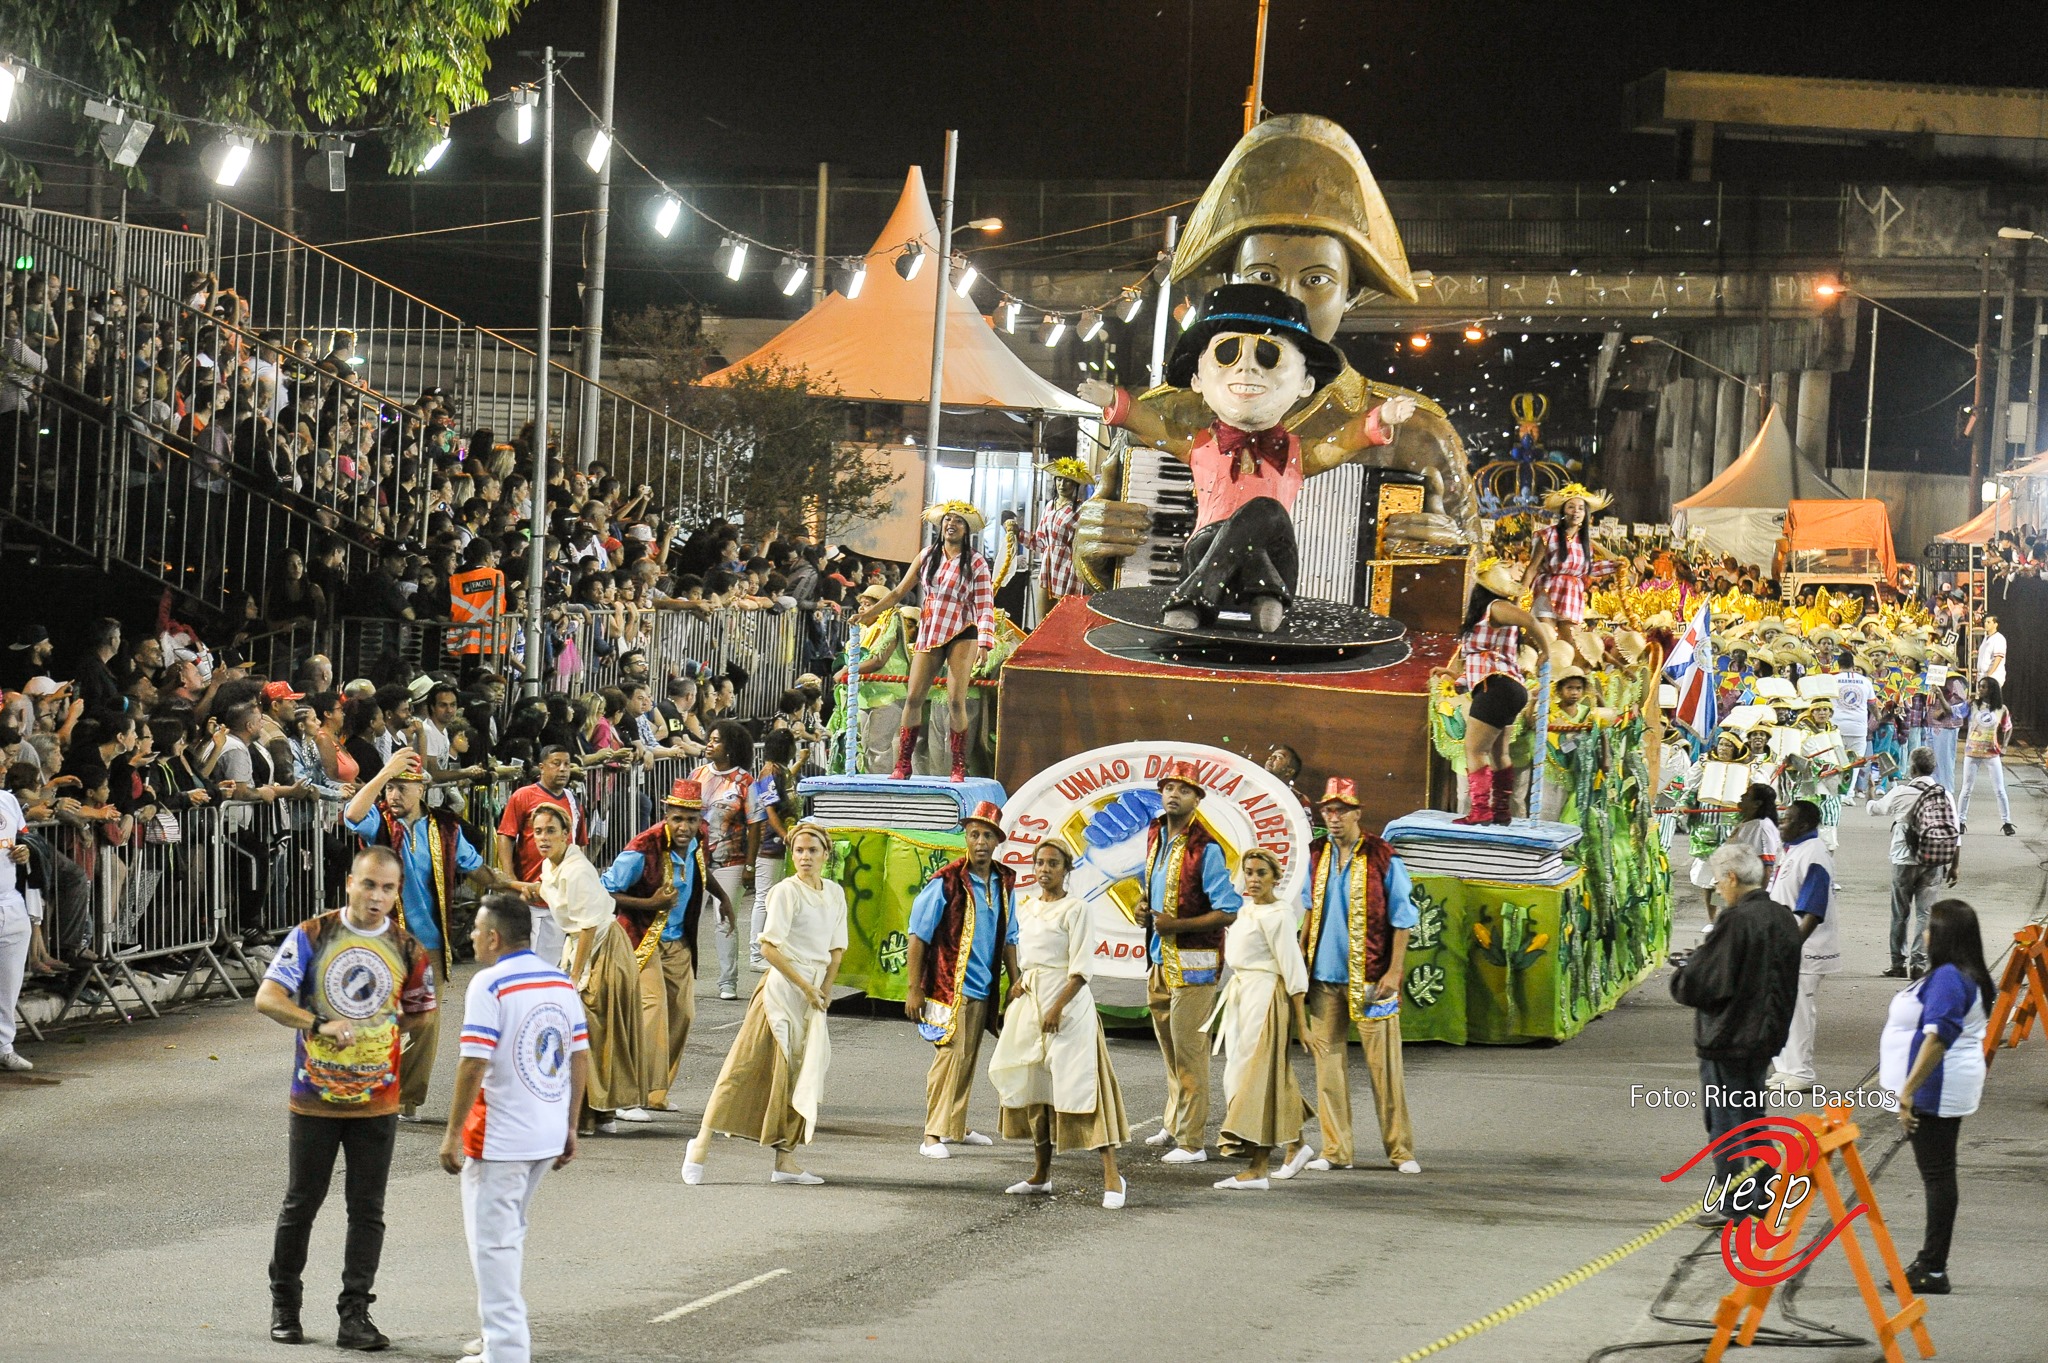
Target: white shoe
(608, 1127)
(668, 1106)
(1160, 1137)
(757, 964)
(934, 1150)
(1027, 1187)
(1180, 1156)
(633, 1114)
(409, 1113)
(1319, 1165)
(1241, 1185)
(693, 1173)
(1301, 1160)
(799, 1177)
(475, 1346)
(1114, 1201)
(975, 1138)
(728, 994)
(1409, 1166)
(15, 1061)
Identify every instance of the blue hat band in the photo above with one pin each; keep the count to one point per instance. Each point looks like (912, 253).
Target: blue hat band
(1290, 324)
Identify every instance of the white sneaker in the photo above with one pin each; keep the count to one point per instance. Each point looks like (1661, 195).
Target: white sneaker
(608, 1127)
(633, 1114)
(669, 1106)
(1159, 1138)
(1319, 1165)
(475, 1346)
(1409, 1166)
(728, 994)
(799, 1177)
(1114, 1201)
(693, 1174)
(15, 1061)
(1180, 1156)
(1027, 1187)
(409, 1113)
(934, 1150)
(1302, 1159)
(757, 964)
(1234, 1184)
(975, 1138)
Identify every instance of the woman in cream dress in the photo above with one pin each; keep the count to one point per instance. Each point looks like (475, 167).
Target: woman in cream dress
(1051, 1066)
(774, 1074)
(598, 956)
(1263, 1106)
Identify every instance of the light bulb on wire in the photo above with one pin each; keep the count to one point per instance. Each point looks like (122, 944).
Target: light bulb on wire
(1091, 325)
(852, 276)
(12, 75)
(1051, 329)
(1134, 303)
(910, 260)
(599, 147)
(1010, 310)
(966, 274)
(731, 258)
(666, 215)
(234, 158)
(436, 152)
(790, 275)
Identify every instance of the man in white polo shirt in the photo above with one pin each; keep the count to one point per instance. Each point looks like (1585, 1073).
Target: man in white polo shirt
(525, 1057)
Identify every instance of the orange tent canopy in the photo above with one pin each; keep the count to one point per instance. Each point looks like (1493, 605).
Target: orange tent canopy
(1848, 523)
(1981, 527)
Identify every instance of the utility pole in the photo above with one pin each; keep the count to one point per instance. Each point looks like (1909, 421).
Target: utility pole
(1255, 99)
(943, 283)
(1159, 314)
(2002, 389)
(1980, 420)
(818, 239)
(1870, 402)
(600, 228)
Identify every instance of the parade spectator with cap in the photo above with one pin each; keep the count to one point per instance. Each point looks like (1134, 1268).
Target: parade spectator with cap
(28, 656)
(1354, 935)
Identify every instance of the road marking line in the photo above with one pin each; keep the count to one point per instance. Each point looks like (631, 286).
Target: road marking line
(717, 1297)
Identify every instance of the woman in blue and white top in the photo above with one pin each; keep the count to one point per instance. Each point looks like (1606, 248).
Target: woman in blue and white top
(1932, 1057)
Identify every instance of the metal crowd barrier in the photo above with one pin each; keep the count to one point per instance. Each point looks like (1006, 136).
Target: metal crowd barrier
(767, 645)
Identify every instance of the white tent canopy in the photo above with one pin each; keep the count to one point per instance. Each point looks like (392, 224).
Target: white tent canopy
(878, 347)
(1742, 512)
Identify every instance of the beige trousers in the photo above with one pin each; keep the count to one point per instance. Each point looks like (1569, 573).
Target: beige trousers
(950, 1081)
(1177, 1018)
(668, 1005)
(1329, 1021)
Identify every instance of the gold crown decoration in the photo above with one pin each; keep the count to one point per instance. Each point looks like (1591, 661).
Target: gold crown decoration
(966, 511)
(1297, 172)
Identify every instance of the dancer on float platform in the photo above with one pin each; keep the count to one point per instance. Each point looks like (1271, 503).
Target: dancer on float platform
(1562, 567)
(959, 600)
(1262, 1104)
(1493, 676)
(1051, 1066)
(774, 1075)
(1053, 542)
(1189, 902)
(962, 925)
(1355, 938)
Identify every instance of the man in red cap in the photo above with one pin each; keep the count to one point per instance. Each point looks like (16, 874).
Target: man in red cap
(659, 883)
(278, 721)
(1355, 938)
(1189, 903)
(961, 925)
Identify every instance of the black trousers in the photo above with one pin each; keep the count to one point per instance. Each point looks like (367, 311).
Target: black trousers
(315, 1141)
(1731, 1093)
(1250, 554)
(1934, 1150)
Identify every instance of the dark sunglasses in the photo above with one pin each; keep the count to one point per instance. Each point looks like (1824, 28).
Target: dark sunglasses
(1225, 350)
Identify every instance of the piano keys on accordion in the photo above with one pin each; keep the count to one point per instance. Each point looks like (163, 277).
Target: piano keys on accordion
(1337, 523)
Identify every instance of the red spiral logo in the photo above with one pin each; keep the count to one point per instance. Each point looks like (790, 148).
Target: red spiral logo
(1754, 1250)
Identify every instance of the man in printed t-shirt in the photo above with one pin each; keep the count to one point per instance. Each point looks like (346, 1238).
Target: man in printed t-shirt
(348, 983)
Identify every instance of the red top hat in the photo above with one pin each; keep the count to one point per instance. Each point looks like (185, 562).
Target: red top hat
(685, 793)
(985, 813)
(1341, 790)
(1185, 772)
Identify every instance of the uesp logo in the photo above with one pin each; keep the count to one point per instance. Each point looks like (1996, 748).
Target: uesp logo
(1100, 804)
(1788, 1154)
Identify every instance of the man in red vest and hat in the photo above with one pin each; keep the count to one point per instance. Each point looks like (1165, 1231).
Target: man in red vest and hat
(1189, 903)
(962, 926)
(659, 883)
(1355, 938)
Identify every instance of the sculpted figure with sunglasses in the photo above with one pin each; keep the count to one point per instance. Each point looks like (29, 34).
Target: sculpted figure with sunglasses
(1250, 354)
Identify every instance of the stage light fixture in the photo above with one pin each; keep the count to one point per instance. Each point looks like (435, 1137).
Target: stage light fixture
(910, 260)
(12, 76)
(966, 274)
(852, 278)
(1420, 340)
(665, 216)
(731, 258)
(790, 275)
(436, 152)
(1011, 309)
(234, 150)
(524, 101)
(1091, 325)
(123, 138)
(1051, 329)
(333, 162)
(599, 147)
(1475, 333)
(1134, 303)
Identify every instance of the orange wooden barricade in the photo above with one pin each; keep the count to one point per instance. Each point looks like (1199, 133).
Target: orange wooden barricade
(2022, 992)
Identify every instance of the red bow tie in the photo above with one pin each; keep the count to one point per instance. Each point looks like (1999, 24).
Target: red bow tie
(1265, 447)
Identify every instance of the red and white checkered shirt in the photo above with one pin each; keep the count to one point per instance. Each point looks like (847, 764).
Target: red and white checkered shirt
(954, 599)
(1490, 648)
(1053, 542)
(1564, 577)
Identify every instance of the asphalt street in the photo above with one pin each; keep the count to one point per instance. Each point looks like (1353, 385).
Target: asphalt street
(138, 1196)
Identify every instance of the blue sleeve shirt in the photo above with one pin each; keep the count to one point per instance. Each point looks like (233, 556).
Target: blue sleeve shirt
(1332, 964)
(930, 906)
(627, 868)
(1223, 896)
(1814, 893)
(416, 871)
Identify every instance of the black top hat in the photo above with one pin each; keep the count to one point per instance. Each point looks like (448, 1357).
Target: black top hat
(1252, 310)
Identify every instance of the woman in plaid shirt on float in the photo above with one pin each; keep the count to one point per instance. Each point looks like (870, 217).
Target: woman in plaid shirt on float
(1562, 568)
(1491, 673)
(956, 625)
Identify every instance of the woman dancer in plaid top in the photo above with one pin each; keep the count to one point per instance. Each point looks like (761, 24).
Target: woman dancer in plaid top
(956, 626)
(1053, 541)
(1492, 637)
(1562, 567)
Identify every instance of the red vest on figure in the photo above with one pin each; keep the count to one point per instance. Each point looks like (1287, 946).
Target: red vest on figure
(653, 845)
(1185, 897)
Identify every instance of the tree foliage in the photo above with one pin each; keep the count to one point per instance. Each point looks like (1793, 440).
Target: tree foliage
(782, 438)
(400, 66)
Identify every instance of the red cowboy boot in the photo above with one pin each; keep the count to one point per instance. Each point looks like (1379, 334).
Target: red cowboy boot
(1504, 796)
(959, 755)
(1479, 785)
(906, 744)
